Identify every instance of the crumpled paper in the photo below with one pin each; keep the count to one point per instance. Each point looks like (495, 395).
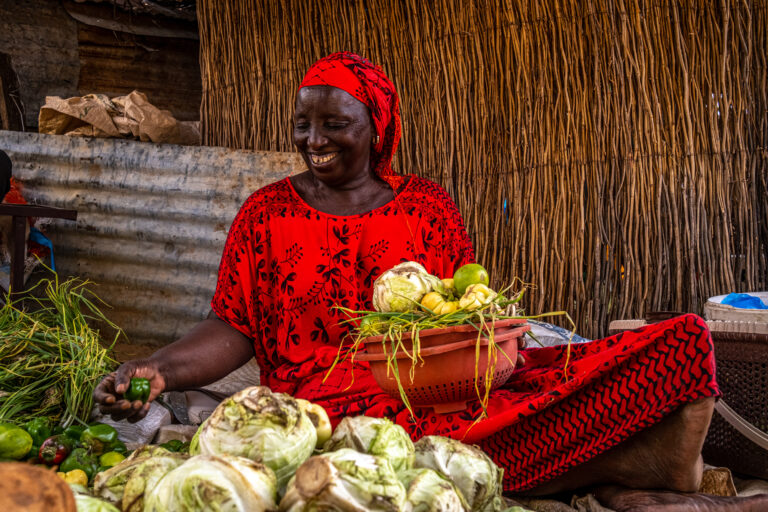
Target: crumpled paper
(130, 116)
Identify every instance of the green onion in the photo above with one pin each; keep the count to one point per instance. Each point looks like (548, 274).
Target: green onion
(51, 358)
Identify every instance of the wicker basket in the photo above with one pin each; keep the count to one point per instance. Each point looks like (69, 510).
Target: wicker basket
(742, 373)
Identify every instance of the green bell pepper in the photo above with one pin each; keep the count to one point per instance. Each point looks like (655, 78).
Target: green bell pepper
(15, 442)
(119, 447)
(98, 438)
(176, 445)
(39, 429)
(80, 459)
(74, 432)
(138, 390)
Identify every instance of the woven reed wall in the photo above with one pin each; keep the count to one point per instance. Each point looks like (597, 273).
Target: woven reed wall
(612, 152)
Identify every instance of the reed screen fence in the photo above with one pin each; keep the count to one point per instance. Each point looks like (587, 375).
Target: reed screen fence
(614, 153)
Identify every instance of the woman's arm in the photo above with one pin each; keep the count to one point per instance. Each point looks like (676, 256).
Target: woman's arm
(210, 351)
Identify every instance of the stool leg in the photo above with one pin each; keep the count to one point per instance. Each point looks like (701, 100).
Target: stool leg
(19, 254)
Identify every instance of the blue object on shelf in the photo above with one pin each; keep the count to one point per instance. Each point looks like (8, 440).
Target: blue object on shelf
(744, 301)
(38, 237)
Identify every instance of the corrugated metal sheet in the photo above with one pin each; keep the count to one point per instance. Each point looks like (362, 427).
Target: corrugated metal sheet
(152, 219)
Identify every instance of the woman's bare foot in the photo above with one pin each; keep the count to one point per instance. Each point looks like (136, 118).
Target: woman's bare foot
(629, 500)
(664, 456)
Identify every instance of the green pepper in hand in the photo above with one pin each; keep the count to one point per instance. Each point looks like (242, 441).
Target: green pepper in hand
(98, 438)
(138, 390)
(80, 459)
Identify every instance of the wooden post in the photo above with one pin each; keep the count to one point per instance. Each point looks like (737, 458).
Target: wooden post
(20, 214)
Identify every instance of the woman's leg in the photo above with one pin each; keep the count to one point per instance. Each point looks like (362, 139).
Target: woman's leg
(641, 423)
(664, 456)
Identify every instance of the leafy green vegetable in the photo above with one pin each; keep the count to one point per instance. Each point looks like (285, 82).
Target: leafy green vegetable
(260, 425)
(429, 491)
(215, 483)
(375, 436)
(125, 483)
(402, 287)
(87, 503)
(344, 480)
(473, 473)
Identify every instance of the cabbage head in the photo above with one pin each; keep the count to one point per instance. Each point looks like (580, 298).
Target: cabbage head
(402, 287)
(84, 502)
(344, 481)
(429, 491)
(376, 436)
(215, 483)
(473, 473)
(125, 483)
(260, 425)
(87, 503)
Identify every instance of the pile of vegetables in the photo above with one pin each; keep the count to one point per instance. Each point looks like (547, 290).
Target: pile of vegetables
(407, 299)
(77, 452)
(265, 451)
(51, 358)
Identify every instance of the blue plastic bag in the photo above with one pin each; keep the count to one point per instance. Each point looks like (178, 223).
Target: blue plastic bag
(744, 301)
(39, 238)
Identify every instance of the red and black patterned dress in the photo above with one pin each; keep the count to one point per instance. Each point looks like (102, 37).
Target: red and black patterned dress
(285, 266)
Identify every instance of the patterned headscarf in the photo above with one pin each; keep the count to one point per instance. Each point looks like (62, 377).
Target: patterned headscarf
(367, 83)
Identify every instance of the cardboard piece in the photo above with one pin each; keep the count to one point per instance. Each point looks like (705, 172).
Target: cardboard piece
(130, 116)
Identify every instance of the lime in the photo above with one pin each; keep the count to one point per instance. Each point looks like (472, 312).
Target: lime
(469, 274)
(15, 443)
(110, 459)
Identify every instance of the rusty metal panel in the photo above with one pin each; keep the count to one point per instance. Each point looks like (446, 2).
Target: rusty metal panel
(152, 219)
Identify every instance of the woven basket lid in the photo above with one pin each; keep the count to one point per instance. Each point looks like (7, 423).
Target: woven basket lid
(714, 309)
(33, 489)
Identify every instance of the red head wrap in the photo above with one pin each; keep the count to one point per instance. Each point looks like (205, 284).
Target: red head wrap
(368, 83)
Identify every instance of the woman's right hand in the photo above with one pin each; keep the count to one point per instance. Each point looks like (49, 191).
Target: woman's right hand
(109, 392)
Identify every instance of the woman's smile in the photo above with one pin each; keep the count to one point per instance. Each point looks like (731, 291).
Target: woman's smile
(333, 132)
(321, 159)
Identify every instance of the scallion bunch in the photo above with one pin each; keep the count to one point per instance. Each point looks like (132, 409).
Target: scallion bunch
(51, 356)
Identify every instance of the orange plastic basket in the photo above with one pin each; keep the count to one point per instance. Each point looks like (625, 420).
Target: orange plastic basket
(445, 380)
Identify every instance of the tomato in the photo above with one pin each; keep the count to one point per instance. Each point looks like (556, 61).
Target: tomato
(469, 274)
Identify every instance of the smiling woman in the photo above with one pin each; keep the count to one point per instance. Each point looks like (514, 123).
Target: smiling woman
(333, 132)
(305, 244)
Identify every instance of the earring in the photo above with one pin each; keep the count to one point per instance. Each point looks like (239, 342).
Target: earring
(375, 140)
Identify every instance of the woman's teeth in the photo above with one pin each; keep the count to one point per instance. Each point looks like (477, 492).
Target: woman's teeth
(321, 159)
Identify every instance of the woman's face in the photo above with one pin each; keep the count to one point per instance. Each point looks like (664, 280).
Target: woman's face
(332, 131)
